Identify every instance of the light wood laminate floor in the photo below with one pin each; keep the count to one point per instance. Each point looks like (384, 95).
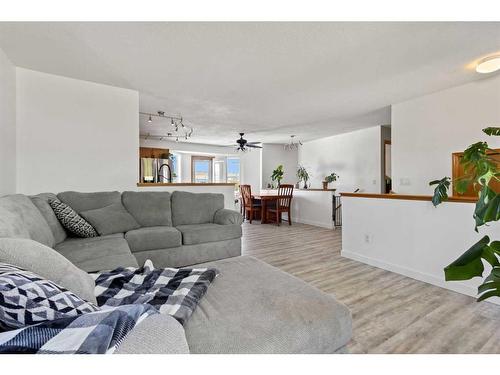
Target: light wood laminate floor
(391, 313)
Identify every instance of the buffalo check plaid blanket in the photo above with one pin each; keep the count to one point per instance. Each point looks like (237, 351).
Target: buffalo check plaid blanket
(171, 291)
(98, 332)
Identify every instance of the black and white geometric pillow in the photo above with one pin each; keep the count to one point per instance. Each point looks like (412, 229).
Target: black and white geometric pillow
(26, 299)
(70, 219)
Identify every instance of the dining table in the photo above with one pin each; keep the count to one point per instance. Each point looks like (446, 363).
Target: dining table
(266, 198)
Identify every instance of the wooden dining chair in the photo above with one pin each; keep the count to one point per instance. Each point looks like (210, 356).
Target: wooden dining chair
(250, 206)
(283, 203)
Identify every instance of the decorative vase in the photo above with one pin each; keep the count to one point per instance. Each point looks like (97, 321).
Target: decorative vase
(297, 186)
(325, 185)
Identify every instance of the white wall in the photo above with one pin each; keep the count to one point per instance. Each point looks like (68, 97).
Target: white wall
(251, 169)
(354, 156)
(427, 130)
(274, 155)
(7, 126)
(75, 135)
(410, 237)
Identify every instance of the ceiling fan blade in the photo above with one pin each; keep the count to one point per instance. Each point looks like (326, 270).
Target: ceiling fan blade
(252, 145)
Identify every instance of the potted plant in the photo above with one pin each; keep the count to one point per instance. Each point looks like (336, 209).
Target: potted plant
(303, 175)
(480, 165)
(278, 174)
(331, 178)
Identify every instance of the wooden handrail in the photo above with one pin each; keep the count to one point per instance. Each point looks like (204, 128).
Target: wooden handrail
(408, 197)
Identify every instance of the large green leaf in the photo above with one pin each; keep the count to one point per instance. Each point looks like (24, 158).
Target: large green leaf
(491, 130)
(491, 285)
(487, 207)
(441, 190)
(470, 263)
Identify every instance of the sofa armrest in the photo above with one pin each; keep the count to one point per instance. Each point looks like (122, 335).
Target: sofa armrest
(226, 217)
(157, 334)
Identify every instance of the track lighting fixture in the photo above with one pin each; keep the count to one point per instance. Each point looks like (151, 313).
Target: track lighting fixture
(183, 131)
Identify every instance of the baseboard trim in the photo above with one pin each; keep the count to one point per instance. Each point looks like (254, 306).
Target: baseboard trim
(311, 222)
(458, 287)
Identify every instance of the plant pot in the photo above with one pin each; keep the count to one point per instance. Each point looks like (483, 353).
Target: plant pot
(325, 185)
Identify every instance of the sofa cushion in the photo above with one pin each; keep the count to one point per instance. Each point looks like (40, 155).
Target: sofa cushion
(191, 208)
(49, 264)
(225, 216)
(157, 334)
(19, 218)
(202, 233)
(89, 201)
(252, 307)
(70, 219)
(110, 219)
(41, 201)
(149, 208)
(98, 253)
(28, 299)
(153, 238)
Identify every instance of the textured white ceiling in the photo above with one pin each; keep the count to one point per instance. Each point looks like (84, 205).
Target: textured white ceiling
(269, 80)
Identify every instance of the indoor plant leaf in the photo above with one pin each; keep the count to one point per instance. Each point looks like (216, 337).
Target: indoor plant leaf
(491, 130)
(469, 264)
(487, 207)
(441, 190)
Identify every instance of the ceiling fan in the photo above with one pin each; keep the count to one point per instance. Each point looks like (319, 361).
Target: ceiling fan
(243, 144)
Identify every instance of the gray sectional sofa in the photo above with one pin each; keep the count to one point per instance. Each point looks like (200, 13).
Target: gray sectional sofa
(250, 308)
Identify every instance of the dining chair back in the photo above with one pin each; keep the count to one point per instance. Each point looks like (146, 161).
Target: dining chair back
(285, 193)
(246, 194)
(250, 207)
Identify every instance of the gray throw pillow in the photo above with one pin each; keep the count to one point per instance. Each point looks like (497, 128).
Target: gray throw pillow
(49, 264)
(111, 219)
(70, 220)
(29, 299)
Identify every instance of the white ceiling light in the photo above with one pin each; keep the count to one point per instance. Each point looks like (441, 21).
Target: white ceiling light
(489, 64)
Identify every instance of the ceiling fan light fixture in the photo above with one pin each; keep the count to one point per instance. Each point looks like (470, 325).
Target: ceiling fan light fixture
(150, 120)
(488, 64)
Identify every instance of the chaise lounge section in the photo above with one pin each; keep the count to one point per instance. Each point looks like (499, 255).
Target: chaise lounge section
(250, 307)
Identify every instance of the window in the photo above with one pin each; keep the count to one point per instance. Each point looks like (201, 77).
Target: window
(201, 169)
(219, 175)
(174, 164)
(233, 171)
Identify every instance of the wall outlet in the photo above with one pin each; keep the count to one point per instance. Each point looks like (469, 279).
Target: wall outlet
(367, 238)
(374, 182)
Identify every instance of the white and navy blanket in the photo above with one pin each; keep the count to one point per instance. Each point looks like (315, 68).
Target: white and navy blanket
(171, 291)
(97, 332)
(126, 296)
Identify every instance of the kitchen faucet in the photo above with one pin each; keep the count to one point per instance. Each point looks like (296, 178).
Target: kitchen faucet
(169, 172)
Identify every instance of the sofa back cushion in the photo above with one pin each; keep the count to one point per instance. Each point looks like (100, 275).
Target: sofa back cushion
(149, 208)
(110, 219)
(41, 201)
(191, 208)
(49, 264)
(89, 201)
(19, 218)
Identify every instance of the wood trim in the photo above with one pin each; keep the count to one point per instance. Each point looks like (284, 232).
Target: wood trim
(408, 197)
(147, 184)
